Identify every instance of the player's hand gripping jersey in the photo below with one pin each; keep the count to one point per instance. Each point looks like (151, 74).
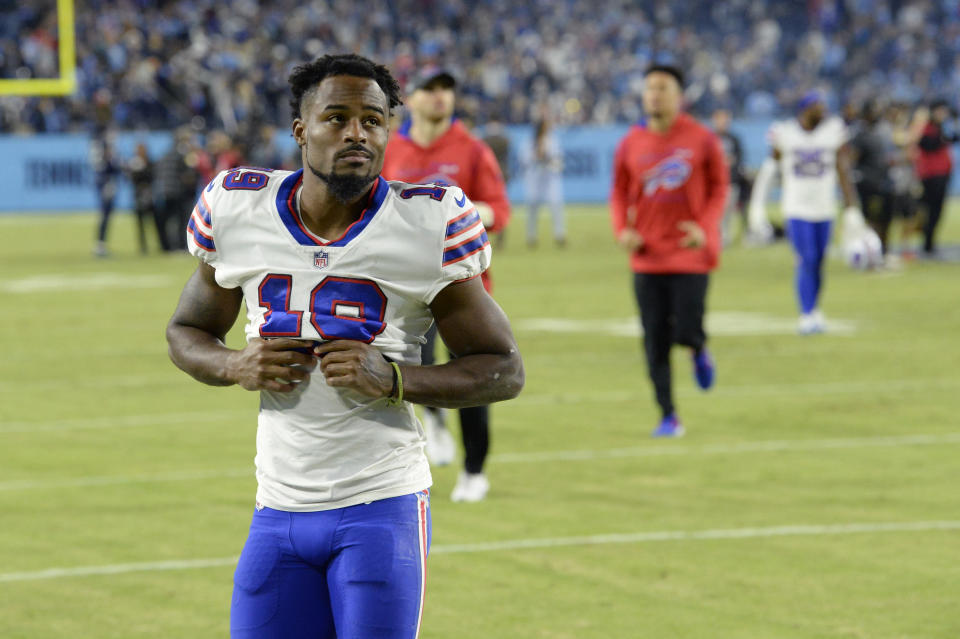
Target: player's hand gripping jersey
(319, 447)
(808, 167)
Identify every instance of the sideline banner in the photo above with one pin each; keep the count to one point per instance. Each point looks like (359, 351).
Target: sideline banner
(53, 172)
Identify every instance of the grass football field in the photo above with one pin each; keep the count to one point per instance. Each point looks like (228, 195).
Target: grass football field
(815, 495)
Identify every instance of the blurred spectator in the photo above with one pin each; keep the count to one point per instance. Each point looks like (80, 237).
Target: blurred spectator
(176, 187)
(906, 187)
(223, 152)
(106, 170)
(140, 170)
(739, 185)
(934, 165)
(224, 63)
(872, 154)
(264, 151)
(495, 136)
(544, 169)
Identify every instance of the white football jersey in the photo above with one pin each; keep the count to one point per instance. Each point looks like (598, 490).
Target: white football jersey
(808, 167)
(320, 447)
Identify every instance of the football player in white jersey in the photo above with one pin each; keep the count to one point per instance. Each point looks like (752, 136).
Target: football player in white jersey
(341, 273)
(811, 154)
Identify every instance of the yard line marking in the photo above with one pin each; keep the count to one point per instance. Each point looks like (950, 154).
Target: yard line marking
(717, 323)
(803, 530)
(697, 535)
(126, 421)
(80, 381)
(797, 445)
(787, 445)
(750, 390)
(118, 569)
(745, 390)
(113, 480)
(84, 282)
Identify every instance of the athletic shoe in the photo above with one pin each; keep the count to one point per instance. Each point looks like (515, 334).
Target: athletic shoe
(703, 369)
(470, 487)
(441, 449)
(669, 426)
(812, 323)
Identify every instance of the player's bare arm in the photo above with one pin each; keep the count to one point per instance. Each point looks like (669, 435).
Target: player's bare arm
(844, 176)
(487, 367)
(196, 333)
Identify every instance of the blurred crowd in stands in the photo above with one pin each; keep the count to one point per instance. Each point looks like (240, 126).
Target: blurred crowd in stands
(224, 63)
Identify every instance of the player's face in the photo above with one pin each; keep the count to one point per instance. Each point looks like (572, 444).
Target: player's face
(662, 95)
(344, 128)
(816, 112)
(433, 103)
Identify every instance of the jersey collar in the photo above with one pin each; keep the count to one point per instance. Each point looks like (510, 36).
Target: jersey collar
(290, 217)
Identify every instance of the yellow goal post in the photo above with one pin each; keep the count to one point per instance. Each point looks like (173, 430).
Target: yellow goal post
(67, 81)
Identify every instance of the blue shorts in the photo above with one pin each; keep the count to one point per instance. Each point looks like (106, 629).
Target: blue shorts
(349, 573)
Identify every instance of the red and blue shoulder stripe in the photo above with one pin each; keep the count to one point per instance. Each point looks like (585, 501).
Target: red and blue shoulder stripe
(464, 237)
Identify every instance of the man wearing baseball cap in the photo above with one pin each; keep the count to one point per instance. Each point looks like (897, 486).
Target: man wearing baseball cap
(433, 147)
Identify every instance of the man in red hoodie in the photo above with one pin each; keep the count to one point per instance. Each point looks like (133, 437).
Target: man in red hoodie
(435, 148)
(669, 189)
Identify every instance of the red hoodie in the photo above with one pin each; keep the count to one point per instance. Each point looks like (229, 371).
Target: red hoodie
(660, 180)
(455, 158)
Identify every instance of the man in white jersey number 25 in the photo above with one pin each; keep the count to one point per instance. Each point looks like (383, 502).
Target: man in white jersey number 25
(342, 273)
(811, 153)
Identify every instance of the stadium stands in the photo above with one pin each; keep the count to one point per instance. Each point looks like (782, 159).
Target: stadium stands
(158, 65)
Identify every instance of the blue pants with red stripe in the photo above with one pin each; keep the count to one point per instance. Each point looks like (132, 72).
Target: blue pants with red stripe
(810, 241)
(349, 573)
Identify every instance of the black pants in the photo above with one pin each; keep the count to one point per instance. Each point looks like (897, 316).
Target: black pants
(474, 421)
(877, 209)
(145, 212)
(172, 215)
(105, 193)
(671, 312)
(934, 192)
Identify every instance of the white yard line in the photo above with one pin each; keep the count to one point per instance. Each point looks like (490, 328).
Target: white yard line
(744, 390)
(749, 390)
(127, 421)
(740, 323)
(83, 282)
(80, 381)
(119, 480)
(803, 530)
(796, 445)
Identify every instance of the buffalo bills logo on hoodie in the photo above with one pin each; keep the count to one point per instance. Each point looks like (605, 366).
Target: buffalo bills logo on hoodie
(670, 173)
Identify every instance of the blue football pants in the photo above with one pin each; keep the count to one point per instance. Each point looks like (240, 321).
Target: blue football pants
(810, 241)
(350, 573)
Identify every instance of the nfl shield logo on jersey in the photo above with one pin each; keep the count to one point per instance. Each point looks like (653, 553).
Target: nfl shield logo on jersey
(321, 259)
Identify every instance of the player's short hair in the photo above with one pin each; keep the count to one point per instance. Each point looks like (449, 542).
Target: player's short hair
(305, 77)
(666, 68)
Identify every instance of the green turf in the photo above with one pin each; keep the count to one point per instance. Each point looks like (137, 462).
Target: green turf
(98, 432)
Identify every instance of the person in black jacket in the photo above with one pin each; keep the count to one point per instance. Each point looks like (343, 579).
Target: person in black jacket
(140, 170)
(739, 193)
(873, 155)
